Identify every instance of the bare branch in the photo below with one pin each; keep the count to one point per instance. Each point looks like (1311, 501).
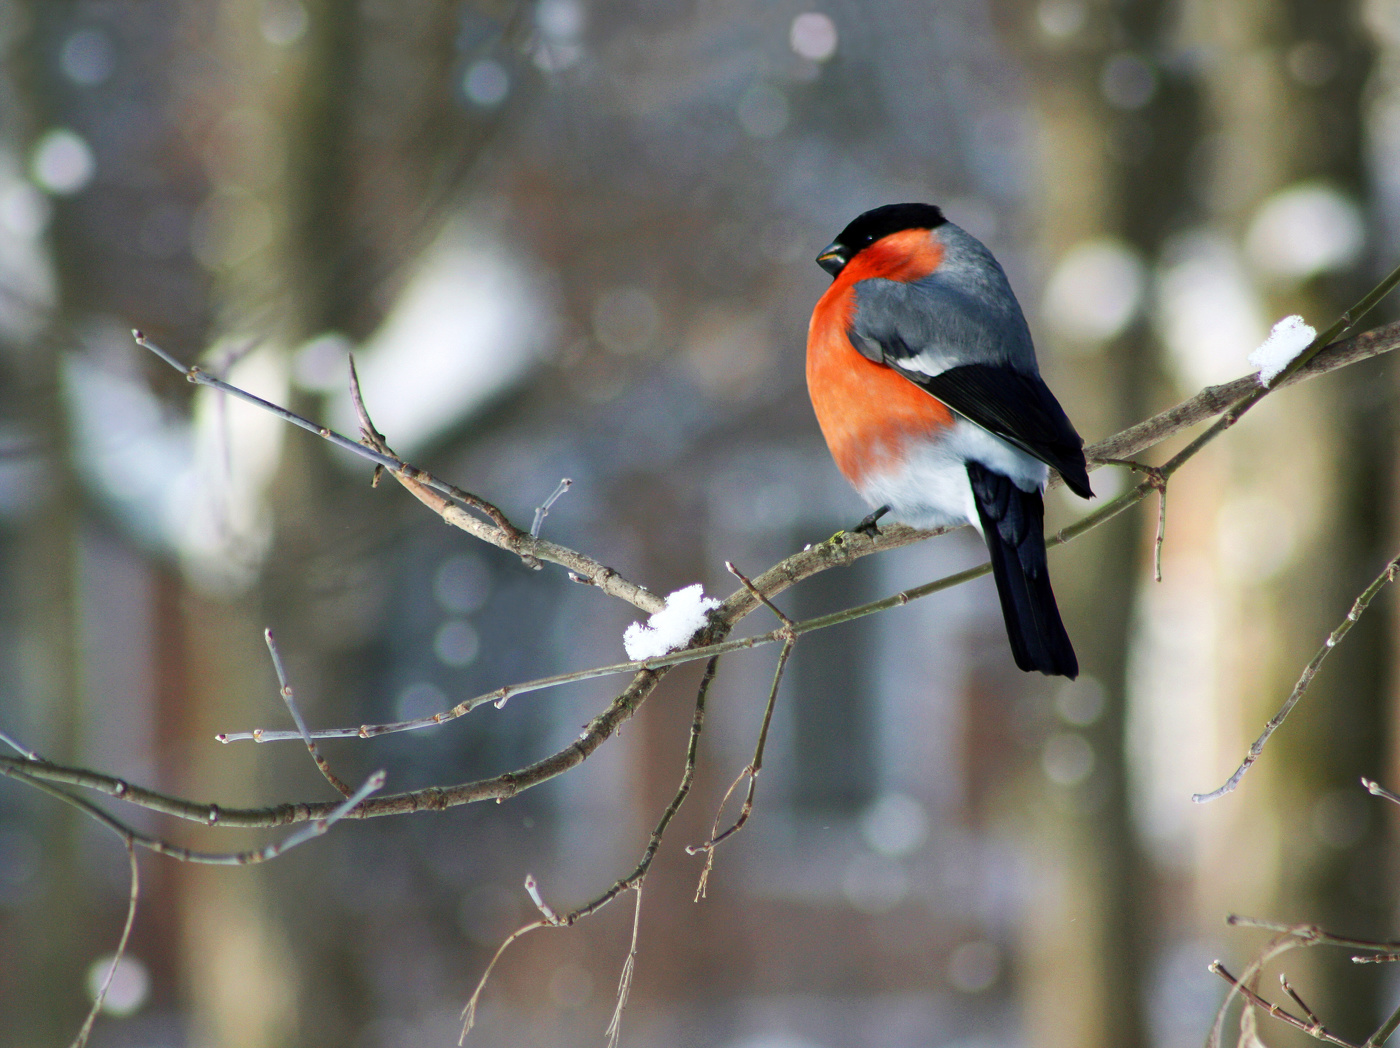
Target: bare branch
(1334, 638)
(435, 493)
(624, 982)
(135, 893)
(1159, 482)
(163, 847)
(841, 550)
(1319, 1032)
(1212, 400)
(287, 697)
(755, 766)
(543, 511)
(633, 880)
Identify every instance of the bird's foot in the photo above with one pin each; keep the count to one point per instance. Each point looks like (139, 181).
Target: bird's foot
(868, 525)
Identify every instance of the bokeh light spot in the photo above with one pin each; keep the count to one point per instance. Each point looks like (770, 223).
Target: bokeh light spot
(283, 22)
(486, 83)
(86, 57)
(130, 986)
(62, 162)
(456, 643)
(813, 36)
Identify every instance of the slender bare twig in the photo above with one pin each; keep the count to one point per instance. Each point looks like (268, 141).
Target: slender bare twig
(748, 585)
(437, 494)
(370, 437)
(624, 982)
(542, 511)
(1305, 679)
(1375, 789)
(633, 880)
(1317, 1031)
(1156, 480)
(175, 851)
(285, 687)
(752, 771)
(23, 751)
(1307, 1012)
(1288, 937)
(1310, 934)
(135, 893)
(415, 480)
(469, 1009)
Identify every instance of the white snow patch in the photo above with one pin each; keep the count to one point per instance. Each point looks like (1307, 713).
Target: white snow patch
(672, 626)
(1289, 337)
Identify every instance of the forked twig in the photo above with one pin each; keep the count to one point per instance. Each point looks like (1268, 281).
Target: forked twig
(1288, 937)
(1157, 480)
(1317, 1031)
(752, 771)
(633, 881)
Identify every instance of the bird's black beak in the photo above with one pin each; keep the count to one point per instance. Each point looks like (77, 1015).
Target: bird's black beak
(833, 259)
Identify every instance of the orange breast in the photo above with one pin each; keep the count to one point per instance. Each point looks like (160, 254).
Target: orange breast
(868, 412)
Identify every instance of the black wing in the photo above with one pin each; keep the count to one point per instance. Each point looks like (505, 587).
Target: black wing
(1017, 407)
(931, 331)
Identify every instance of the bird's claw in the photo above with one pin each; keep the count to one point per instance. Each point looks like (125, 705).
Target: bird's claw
(868, 525)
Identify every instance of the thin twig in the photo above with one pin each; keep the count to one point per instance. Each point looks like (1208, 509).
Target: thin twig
(543, 511)
(135, 894)
(243, 858)
(1308, 1012)
(1310, 934)
(633, 880)
(1158, 481)
(532, 889)
(624, 982)
(758, 594)
(369, 436)
(499, 532)
(469, 1009)
(752, 771)
(1358, 607)
(1318, 1032)
(416, 480)
(23, 751)
(1375, 789)
(285, 687)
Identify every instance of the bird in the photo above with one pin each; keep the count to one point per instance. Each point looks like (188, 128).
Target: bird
(923, 377)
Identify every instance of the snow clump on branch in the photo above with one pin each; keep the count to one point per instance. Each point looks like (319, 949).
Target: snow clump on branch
(672, 626)
(1289, 337)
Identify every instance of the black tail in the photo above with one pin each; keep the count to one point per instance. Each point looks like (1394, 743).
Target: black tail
(1013, 524)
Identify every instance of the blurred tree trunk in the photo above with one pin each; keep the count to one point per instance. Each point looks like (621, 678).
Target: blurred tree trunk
(1298, 841)
(1111, 173)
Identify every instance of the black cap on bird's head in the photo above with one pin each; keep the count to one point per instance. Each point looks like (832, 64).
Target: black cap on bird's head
(875, 225)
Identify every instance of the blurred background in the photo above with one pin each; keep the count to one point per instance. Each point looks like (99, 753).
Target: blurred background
(568, 238)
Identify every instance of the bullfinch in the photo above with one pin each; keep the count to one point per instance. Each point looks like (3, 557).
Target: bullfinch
(923, 377)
